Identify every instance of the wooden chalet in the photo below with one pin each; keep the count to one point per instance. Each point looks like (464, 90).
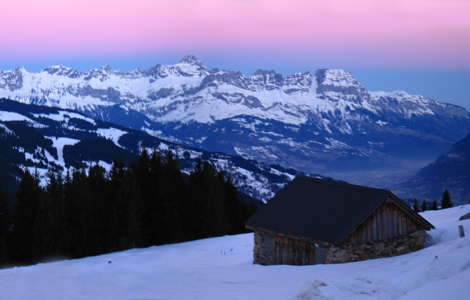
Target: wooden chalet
(313, 221)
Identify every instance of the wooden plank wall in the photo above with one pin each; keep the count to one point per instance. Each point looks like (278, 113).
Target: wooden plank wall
(291, 251)
(385, 222)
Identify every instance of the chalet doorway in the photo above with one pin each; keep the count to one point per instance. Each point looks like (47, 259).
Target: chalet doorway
(290, 251)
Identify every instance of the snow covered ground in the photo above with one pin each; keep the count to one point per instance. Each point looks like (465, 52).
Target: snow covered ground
(221, 268)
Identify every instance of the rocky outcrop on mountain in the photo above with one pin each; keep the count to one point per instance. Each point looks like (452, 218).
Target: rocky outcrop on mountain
(316, 123)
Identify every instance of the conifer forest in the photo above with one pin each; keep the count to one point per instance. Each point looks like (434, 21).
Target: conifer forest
(148, 202)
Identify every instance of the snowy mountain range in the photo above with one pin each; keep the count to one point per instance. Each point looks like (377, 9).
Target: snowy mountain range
(50, 139)
(323, 122)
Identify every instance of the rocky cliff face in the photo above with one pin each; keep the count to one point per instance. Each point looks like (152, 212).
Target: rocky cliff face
(317, 123)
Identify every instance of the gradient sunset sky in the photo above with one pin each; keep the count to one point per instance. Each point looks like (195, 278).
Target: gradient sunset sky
(420, 46)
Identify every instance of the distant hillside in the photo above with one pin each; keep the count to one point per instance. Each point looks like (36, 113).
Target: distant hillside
(54, 140)
(450, 171)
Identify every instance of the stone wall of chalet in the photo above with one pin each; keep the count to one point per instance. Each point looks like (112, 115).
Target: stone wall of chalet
(264, 252)
(394, 246)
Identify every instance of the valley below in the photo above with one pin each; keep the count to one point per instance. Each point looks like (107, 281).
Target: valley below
(390, 179)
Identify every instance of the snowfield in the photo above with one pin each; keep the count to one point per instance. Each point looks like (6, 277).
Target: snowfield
(221, 268)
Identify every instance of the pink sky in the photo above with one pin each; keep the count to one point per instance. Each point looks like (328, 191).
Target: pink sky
(382, 33)
(421, 46)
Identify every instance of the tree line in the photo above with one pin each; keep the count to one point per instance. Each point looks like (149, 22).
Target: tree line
(445, 203)
(149, 202)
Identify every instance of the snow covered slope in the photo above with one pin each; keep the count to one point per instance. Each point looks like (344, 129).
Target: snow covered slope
(221, 268)
(319, 122)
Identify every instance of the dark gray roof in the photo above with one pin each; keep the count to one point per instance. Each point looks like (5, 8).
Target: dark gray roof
(323, 210)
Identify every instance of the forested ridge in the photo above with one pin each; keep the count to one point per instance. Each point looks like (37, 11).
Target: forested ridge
(149, 202)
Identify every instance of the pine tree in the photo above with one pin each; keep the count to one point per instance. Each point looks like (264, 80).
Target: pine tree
(147, 172)
(50, 225)
(235, 207)
(141, 170)
(424, 206)
(116, 173)
(446, 201)
(116, 177)
(5, 226)
(238, 210)
(194, 214)
(81, 224)
(135, 209)
(127, 213)
(101, 208)
(416, 206)
(28, 197)
(146, 182)
(171, 194)
(434, 205)
(206, 203)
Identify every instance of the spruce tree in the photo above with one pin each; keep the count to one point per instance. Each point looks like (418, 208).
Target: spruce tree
(141, 170)
(192, 214)
(434, 205)
(116, 173)
(171, 193)
(446, 201)
(101, 207)
(5, 226)
(416, 206)
(146, 182)
(147, 173)
(127, 213)
(116, 177)
(238, 210)
(235, 207)
(206, 203)
(81, 224)
(50, 224)
(424, 206)
(135, 209)
(28, 197)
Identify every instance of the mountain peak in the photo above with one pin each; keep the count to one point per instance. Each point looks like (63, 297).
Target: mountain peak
(20, 69)
(266, 72)
(339, 82)
(106, 68)
(60, 70)
(336, 77)
(191, 59)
